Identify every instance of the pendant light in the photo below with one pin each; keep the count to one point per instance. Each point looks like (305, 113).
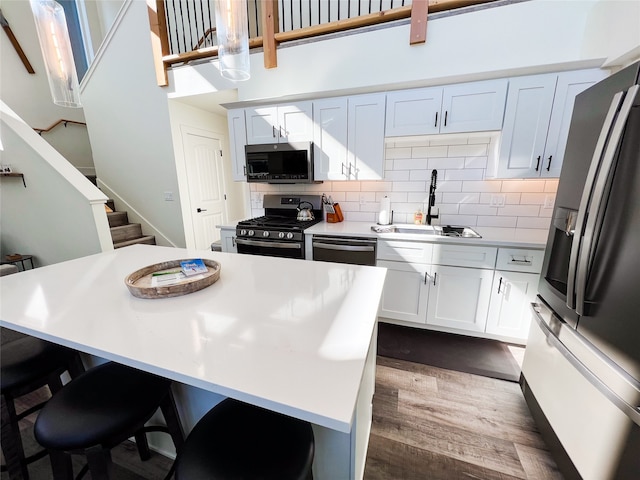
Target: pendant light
(54, 40)
(232, 29)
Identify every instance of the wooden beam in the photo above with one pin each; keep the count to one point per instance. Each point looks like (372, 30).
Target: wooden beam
(269, 29)
(16, 45)
(159, 44)
(418, 31)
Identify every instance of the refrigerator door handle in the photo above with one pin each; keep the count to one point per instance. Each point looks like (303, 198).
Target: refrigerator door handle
(585, 200)
(602, 186)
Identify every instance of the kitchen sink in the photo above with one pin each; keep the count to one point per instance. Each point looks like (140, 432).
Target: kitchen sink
(435, 230)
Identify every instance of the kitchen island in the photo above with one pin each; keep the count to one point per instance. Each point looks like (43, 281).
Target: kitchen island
(295, 337)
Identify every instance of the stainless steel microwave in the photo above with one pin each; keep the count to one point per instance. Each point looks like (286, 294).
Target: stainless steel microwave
(280, 162)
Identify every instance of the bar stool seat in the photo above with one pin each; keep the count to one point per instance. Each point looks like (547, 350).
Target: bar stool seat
(241, 441)
(26, 365)
(101, 409)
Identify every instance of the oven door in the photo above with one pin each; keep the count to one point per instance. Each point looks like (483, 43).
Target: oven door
(270, 248)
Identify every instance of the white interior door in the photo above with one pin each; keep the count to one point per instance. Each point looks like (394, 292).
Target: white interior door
(205, 177)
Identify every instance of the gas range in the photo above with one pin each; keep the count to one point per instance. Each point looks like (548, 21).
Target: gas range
(278, 232)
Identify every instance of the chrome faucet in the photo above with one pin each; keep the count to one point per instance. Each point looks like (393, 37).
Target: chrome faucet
(432, 196)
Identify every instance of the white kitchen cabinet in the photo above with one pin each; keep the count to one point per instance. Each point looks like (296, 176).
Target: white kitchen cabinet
(406, 291)
(279, 123)
(466, 107)
(511, 297)
(237, 141)
(459, 298)
(330, 139)
(349, 138)
(536, 122)
(365, 137)
(228, 240)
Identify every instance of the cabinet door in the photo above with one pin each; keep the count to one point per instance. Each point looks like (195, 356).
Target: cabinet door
(406, 291)
(459, 298)
(511, 296)
(262, 125)
(330, 139)
(569, 85)
(365, 136)
(295, 122)
(413, 112)
(237, 141)
(473, 107)
(228, 241)
(526, 123)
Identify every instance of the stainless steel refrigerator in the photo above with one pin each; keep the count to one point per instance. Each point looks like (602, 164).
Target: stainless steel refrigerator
(581, 370)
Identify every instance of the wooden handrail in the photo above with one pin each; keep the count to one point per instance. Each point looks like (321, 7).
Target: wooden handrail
(397, 13)
(62, 120)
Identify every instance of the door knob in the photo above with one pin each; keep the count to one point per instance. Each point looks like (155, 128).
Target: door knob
(201, 210)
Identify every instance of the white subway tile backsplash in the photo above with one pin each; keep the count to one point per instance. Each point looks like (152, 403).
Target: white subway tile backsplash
(506, 222)
(523, 185)
(533, 222)
(466, 174)
(410, 164)
(428, 152)
(445, 162)
(398, 152)
(463, 196)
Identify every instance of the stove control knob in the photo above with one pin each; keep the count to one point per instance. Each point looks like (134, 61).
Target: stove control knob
(243, 232)
(265, 234)
(251, 233)
(281, 235)
(289, 235)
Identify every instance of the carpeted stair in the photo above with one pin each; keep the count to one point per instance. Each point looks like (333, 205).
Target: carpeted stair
(124, 233)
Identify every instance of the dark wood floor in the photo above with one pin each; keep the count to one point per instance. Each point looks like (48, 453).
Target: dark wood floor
(428, 423)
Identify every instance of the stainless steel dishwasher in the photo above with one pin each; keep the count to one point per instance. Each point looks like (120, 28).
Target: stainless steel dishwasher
(353, 250)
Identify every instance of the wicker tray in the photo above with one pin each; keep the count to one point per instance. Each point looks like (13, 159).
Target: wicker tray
(139, 282)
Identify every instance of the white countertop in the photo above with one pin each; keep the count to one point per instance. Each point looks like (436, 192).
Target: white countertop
(495, 236)
(288, 335)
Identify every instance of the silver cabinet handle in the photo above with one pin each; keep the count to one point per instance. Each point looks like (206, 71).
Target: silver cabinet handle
(524, 261)
(595, 216)
(273, 131)
(499, 286)
(586, 199)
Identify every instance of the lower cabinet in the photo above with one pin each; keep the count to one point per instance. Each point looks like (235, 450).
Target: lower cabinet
(511, 296)
(459, 298)
(228, 240)
(458, 288)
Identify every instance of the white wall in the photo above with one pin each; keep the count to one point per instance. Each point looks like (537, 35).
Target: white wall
(513, 39)
(59, 215)
(28, 94)
(129, 127)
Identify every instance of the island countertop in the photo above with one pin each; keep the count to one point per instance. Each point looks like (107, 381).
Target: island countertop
(287, 335)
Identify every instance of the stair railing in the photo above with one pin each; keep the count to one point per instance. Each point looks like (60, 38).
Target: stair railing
(55, 124)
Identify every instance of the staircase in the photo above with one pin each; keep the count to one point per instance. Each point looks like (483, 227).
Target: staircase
(124, 233)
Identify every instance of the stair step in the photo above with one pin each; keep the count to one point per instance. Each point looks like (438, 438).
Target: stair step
(117, 219)
(110, 203)
(146, 240)
(126, 232)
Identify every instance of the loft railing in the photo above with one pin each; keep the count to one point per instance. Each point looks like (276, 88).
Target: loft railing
(184, 30)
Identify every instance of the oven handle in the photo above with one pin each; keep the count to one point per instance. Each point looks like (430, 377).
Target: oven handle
(344, 248)
(260, 243)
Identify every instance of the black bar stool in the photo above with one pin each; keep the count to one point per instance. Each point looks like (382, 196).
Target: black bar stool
(99, 410)
(238, 440)
(26, 365)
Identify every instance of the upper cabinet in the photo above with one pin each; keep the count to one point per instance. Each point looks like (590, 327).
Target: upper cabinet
(536, 122)
(466, 107)
(237, 141)
(279, 124)
(349, 138)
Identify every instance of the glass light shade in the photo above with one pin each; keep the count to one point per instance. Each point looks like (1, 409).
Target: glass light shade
(54, 40)
(232, 30)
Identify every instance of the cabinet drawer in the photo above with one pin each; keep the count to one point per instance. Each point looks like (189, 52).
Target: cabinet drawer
(399, 251)
(464, 256)
(520, 260)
